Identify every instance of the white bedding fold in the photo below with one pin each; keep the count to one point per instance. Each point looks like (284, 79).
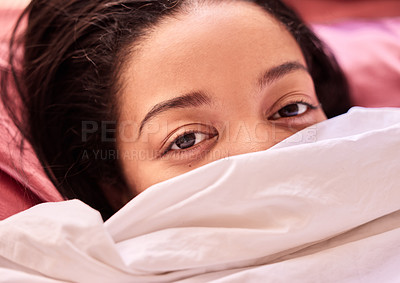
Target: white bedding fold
(321, 206)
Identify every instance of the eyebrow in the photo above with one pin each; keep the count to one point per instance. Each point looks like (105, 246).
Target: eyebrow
(193, 99)
(199, 98)
(277, 72)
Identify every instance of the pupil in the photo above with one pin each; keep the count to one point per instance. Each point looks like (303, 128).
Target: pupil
(186, 141)
(290, 110)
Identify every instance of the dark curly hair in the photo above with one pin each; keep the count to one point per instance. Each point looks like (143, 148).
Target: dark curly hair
(73, 51)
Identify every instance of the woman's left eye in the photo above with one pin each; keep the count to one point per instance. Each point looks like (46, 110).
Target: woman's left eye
(291, 110)
(188, 140)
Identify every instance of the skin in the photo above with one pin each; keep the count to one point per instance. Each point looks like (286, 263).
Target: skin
(239, 66)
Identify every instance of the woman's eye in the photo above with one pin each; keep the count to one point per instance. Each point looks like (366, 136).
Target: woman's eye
(291, 110)
(188, 140)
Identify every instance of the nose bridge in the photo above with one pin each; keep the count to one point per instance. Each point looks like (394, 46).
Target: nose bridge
(249, 135)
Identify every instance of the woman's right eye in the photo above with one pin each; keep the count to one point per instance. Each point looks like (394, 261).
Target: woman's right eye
(188, 140)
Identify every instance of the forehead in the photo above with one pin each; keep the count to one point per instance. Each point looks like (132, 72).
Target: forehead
(209, 47)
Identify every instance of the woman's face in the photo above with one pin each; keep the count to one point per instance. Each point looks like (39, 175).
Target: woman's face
(219, 81)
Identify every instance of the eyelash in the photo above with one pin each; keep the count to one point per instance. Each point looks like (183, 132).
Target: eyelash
(169, 149)
(188, 132)
(302, 102)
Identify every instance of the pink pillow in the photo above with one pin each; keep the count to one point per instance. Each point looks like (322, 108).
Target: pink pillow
(369, 53)
(23, 182)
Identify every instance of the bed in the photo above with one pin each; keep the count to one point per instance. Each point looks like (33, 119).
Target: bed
(321, 206)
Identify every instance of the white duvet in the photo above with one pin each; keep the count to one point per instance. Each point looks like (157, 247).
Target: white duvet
(321, 206)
